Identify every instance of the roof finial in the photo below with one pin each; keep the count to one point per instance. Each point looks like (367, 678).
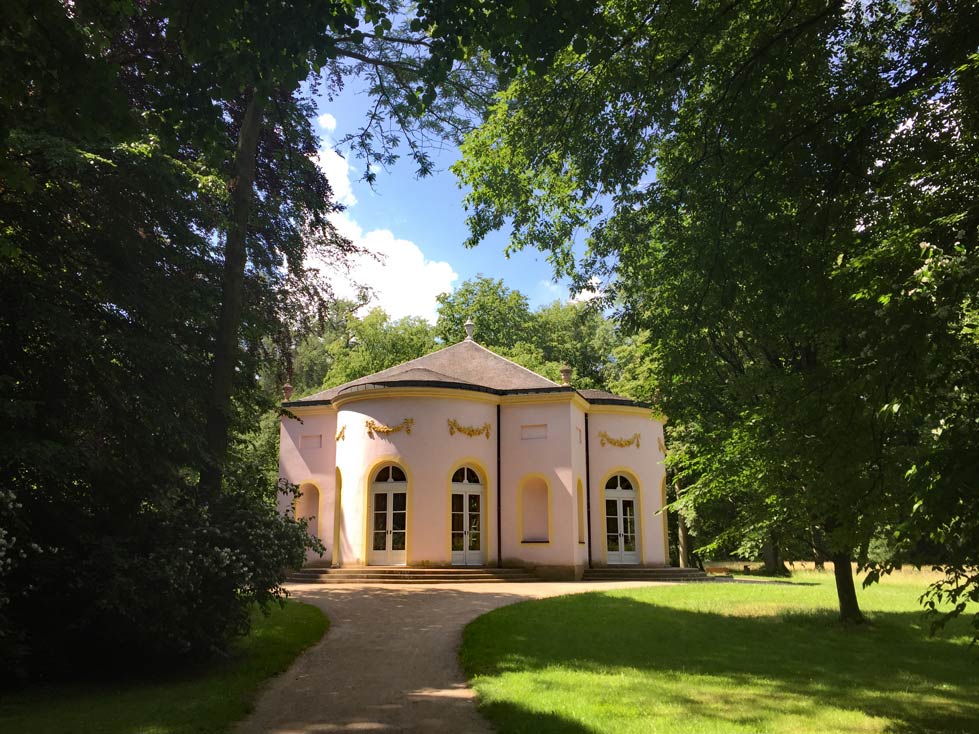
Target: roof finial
(565, 374)
(470, 328)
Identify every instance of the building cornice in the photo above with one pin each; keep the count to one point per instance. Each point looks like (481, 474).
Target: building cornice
(414, 392)
(452, 390)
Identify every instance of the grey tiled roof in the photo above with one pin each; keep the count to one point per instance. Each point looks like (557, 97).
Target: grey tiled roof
(601, 396)
(466, 365)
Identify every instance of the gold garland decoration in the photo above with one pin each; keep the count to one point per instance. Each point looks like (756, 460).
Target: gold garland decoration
(342, 434)
(404, 425)
(662, 447)
(619, 442)
(470, 431)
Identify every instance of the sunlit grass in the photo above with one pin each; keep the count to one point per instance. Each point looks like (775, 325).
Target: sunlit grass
(209, 699)
(756, 657)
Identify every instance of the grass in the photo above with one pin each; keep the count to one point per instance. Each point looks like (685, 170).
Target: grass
(207, 700)
(736, 657)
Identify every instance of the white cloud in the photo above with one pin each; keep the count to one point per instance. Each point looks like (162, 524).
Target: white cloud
(335, 167)
(404, 282)
(337, 170)
(590, 293)
(327, 121)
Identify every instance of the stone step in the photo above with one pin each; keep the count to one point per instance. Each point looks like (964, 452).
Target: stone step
(414, 581)
(428, 577)
(402, 574)
(638, 573)
(414, 569)
(340, 573)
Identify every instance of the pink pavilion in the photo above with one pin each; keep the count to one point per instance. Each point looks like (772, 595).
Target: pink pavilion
(464, 458)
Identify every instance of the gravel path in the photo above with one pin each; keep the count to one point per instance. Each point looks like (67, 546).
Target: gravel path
(389, 662)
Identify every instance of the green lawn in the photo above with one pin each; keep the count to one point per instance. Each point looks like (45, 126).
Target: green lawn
(210, 699)
(725, 658)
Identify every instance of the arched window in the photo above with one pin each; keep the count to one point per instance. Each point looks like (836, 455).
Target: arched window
(391, 474)
(465, 475)
(619, 482)
(535, 511)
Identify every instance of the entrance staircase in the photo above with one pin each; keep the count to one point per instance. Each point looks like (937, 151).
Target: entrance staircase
(642, 573)
(408, 575)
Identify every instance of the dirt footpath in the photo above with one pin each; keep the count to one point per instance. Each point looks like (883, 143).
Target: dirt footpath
(389, 662)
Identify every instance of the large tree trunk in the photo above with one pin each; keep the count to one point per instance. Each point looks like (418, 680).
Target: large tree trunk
(845, 591)
(682, 532)
(682, 541)
(818, 556)
(232, 286)
(771, 553)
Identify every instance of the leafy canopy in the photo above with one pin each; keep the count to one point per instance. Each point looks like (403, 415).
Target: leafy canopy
(784, 199)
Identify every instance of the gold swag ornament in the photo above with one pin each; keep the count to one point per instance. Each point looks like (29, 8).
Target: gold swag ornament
(404, 425)
(619, 442)
(455, 427)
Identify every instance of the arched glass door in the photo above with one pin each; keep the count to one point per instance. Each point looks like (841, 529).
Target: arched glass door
(389, 518)
(466, 529)
(621, 523)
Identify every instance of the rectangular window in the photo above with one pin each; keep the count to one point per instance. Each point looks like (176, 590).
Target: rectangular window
(311, 442)
(534, 431)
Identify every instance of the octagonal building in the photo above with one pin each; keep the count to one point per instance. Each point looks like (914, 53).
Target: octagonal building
(464, 458)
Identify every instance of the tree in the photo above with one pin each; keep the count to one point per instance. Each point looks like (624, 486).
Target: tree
(578, 335)
(501, 314)
(781, 195)
(108, 293)
(436, 48)
(544, 340)
(374, 343)
(156, 176)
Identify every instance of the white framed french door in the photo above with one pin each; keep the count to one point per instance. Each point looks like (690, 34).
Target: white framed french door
(388, 531)
(466, 529)
(621, 522)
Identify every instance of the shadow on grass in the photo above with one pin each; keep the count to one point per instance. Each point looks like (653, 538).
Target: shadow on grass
(803, 661)
(522, 720)
(203, 697)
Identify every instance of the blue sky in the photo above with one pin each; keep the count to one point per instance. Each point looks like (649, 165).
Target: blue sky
(418, 225)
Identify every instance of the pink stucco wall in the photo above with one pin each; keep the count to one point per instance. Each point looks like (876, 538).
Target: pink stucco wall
(644, 464)
(429, 455)
(541, 437)
(578, 475)
(536, 442)
(311, 464)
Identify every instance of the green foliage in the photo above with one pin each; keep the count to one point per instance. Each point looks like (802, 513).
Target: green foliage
(159, 199)
(576, 334)
(501, 314)
(784, 199)
(111, 279)
(374, 343)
